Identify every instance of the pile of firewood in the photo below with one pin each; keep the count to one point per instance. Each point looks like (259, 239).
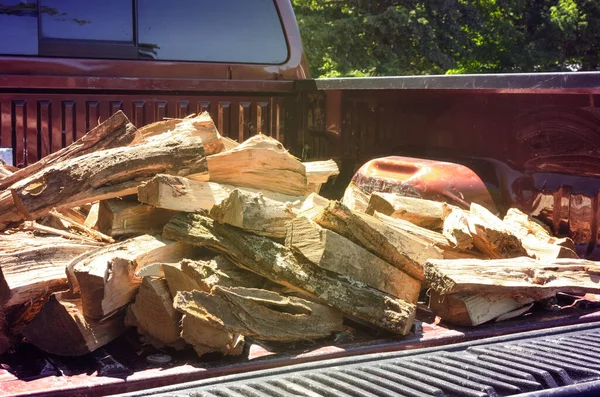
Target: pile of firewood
(199, 241)
(478, 267)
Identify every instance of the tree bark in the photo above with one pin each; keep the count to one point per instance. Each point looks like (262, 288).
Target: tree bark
(277, 263)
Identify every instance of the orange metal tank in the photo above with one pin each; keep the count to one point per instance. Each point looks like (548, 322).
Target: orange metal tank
(426, 179)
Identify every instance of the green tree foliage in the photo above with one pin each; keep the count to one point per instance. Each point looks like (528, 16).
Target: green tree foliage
(408, 37)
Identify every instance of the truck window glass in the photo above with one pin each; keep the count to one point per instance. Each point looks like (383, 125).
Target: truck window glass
(109, 20)
(218, 31)
(18, 27)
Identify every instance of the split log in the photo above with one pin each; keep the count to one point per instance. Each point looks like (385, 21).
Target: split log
(61, 328)
(277, 263)
(313, 205)
(6, 170)
(153, 314)
(73, 225)
(262, 163)
(319, 172)
(273, 316)
(106, 278)
(430, 236)
(473, 309)
(396, 247)
(91, 219)
(335, 253)
(538, 242)
(201, 126)
(114, 132)
(255, 213)
(424, 213)
(456, 229)
(206, 338)
(510, 277)
(229, 143)
(47, 230)
(355, 199)
(491, 236)
(117, 218)
(32, 273)
(106, 174)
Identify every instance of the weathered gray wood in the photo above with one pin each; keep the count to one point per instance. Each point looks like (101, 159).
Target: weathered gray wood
(511, 277)
(255, 213)
(272, 316)
(277, 263)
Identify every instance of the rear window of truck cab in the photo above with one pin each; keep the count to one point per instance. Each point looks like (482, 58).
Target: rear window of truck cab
(232, 31)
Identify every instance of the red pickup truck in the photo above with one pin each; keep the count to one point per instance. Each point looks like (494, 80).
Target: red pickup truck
(533, 139)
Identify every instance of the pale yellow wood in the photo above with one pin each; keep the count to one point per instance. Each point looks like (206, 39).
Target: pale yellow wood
(456, 229)
(153, 314)
(117, 218)
(186, 195)
(255, 213)
(491, 236)
(355, 199)
(260, 162)
(313, 205)
(511, 277)
(335, 253)
(319, 172)
(425, 213)
(106, 279)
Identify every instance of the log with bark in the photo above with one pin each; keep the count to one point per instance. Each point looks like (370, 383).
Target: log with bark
(513, 277)
(118, 218)
(116, 131)
(260, 314)
(260, 162)
(106, 278)
(332, 252)
(109, 173)
(425, 213)
(153, 315)
(355, 199)
(61, 328)
(393, 246)
(277, 263)
(31, 273)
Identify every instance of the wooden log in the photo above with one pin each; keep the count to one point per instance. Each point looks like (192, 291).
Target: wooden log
(538, 242)
(511, 277)
(273, 317)
(319, 172)
(31, 273)
(6, 170)
(430, 236)
(114, 132)
(119, 218)
(186, 195)
(74, 225)
(277, 263)
(335, 253)
(106, 279)
(153, 314)
(61, 328)
(396, 247)
(456, 229)
(313, 205)
(255, 213)
(262, 163)
(355, 199)
(91, 219)
(229, 143)
(201, 126)
(425, 213)
(47, 230)
(109, 173)
(473, 309)
(491, 236)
